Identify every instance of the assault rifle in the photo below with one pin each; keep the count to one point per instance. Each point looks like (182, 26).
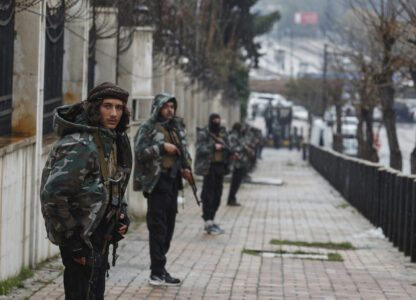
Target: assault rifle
(112, 218)
(183, 162)
(217, 140)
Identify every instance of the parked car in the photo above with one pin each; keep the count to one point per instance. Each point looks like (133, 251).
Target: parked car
(299, 112)
(377, 115)
(403, 113)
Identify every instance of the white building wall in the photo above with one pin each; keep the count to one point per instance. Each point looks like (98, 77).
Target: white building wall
(106, 48)
(75, 55)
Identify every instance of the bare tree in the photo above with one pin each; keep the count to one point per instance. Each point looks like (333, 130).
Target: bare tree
(381, 19)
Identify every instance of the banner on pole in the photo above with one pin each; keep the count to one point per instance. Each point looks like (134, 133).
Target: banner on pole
(306, 18)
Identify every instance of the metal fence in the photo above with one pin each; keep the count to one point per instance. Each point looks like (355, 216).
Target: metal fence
(383, 195)
(6, 65)
(54, 54)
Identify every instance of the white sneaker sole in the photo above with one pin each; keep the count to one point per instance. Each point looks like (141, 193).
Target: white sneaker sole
(162, 283)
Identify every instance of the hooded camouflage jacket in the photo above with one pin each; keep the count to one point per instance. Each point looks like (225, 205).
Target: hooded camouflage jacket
(237, 143)
(149, 146)
(73, 195)
(205, 145)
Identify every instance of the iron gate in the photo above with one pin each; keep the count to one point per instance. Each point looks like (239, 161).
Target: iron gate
(54, 54)
(6, 65)
(91, 55)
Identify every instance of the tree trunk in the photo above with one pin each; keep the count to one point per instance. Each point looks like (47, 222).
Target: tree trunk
(413, 154)
(413, 161)
(389, 117)
(370, 150)
(338, 146)
(360, 135)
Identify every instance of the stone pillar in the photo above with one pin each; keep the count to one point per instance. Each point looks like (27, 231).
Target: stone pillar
(158, 75)
(179, 93)
(106, 48)
(27, 119)
(135, 75)
(170, 74)
(186, 102)
(190, 115)
(28, 70)
(75, 69)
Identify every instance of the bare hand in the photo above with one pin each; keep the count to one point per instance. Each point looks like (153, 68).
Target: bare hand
(81, 261)
(186, 174)
(171, 149)
(219, 147)
(123, 228)
(235, 157)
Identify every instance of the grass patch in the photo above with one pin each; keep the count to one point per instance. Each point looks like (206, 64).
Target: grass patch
(329, 245)
(248, 251)
(17, 281)
(45, 263)
(343, 205)
(335, 257)
(331, 256)
(414, 284)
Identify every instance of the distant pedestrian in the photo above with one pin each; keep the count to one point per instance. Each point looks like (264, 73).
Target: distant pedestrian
(240, 163)
(157, 153)
(83, 187)
(213, 162)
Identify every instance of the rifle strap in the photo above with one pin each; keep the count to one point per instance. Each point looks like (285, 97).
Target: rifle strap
(103, 162)
(218, 139)
(169, 137)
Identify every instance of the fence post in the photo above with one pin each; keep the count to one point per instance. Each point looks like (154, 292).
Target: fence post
(413, 225)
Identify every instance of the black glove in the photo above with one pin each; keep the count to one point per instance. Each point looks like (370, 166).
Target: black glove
(125, 220)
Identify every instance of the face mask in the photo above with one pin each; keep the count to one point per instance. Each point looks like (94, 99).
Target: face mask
(214, 127)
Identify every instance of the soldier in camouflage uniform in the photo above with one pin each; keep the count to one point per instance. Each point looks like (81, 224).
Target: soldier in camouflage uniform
(212, 161)
(239, 143)
(157, 174)
(75, 193)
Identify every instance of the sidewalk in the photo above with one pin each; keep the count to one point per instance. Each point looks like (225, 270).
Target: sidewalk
(305, 208)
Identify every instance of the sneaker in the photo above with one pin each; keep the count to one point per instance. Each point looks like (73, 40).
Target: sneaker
(235, 203)
(215, 230)
(157, 279)
(163, 280)
(169, 280)
(208, 226)
(218, 228)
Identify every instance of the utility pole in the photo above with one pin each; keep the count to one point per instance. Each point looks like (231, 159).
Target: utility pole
(291, 53)
(324, 96)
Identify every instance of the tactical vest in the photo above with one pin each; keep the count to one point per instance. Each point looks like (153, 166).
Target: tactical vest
(218, 155)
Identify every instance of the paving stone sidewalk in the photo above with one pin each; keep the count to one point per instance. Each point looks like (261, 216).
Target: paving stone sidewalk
(305, 208)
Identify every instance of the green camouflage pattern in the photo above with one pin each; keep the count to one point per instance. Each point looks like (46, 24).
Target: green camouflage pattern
(237, 143)
(73, 195)
(149, 149)
(205, 146)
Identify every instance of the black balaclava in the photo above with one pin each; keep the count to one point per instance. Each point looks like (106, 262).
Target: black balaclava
(214, 126)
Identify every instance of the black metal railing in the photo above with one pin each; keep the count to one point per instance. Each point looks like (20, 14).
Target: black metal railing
(54, 54)
(7, 9)
(384, 196)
